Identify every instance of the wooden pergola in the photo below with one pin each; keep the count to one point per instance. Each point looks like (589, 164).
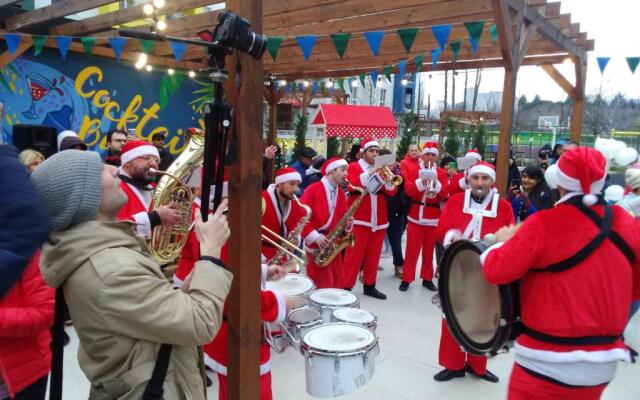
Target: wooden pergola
(531, 32)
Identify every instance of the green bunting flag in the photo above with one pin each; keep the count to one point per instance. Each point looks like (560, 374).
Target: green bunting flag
(294, 87)
(87, 43)
(341, 83)
(340, 40)
(633, 63)
(322, 85)
(38, 44)
(362, 76)
(455, 48)
(407, 36)
(493, 30)
(419, 60)
(475, 32)
(387, 72)
(273, 44)
(147, 45)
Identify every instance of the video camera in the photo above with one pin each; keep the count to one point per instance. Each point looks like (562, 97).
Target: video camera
(234, 32)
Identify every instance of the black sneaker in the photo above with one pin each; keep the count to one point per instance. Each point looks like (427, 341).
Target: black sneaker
(373, 292)
(209, 381)
(488, 376)
(404, 286)
(429, 285)
(448, 374)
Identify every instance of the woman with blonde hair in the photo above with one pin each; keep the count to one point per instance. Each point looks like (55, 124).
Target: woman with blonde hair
(31, 159)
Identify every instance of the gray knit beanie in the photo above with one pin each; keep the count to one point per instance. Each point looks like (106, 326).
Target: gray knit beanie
(71, 184)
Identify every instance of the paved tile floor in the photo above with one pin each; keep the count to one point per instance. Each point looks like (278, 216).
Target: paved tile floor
(409, 332)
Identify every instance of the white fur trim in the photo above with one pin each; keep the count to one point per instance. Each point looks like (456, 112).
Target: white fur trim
(462, 182)
(143, 225)
(491, 248)
(600, 356)
(263, 274)
(291, 176)
(63, 135)
(177, 282)
(389, 186)
(448, 237)
(421, 187)
(566, 182)
(482, 169)
(430, 150)
(372, 143)
(424, 222)
(336, 164)
(474, 155)
(263, 258)
(312, 236)
(282, 307)
(364, 178)
(438, 187)
(146, 150)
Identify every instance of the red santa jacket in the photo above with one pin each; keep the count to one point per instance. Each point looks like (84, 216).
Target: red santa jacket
(424, 211)
(457, 184)
(590, 299)
(372, 212)
(136, 209)
(453, 218)
(409, 166)
(273, 220)
(324, 217)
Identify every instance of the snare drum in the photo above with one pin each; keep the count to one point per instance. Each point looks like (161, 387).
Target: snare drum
(481, 316)
(355, 316)
(339, 358)
(300, 321)
(295, 286)
(327, 300)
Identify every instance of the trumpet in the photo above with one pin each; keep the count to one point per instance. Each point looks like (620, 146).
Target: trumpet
(389, 176)
(431, 187)
(284, 246)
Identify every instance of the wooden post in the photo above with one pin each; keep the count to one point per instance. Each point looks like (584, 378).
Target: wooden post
(273, 126)
(578, 101)
(506, 123)
(245, 184)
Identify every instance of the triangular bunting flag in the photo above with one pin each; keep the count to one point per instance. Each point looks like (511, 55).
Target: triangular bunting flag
(306, 44)
(273, 45)
(13, 41)
(287, 89)
(322, 86)
(493, 31)
(602, 63)
(147, 45)
(117, 44)
(340, 40)
(455, 49)
(314, 88)
(441, 33)
(87, 43)
(407, 37)
(402, 68)
(435, 55)
(350, 82)
(374, 39)
(374, 78)
(419, 62)
(633, 63)
(38, 44)
(63, 42)
(362, 76)
(294, 87)
(475, 32)
(387, 72)
(341, 83)
(178, 49)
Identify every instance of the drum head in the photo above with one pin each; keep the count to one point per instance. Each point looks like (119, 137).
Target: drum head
(303, 315)
(354, 315)
(333, 297)
(339, 338)
(292, 285)
(476, 311)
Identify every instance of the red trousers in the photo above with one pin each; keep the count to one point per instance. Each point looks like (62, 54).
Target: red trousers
(326, 277)
(265, 387)
(524, 386)
(419, 239)
(451, 357)
(368, 248)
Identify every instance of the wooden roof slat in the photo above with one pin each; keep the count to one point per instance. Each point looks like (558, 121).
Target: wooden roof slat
(8, 2)
(55, 10)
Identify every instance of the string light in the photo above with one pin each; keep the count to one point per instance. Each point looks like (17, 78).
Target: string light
(161, 25)
(192, 74)
(330, 83)
(149, 68)
(354, 84)
(170, 71)
(159, 3)
(404, 82)
(148, 9)
(283, 82)
(568, 60)
(305, 83)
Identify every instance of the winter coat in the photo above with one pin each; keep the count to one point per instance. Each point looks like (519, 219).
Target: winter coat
(123, 309)
(26, 315)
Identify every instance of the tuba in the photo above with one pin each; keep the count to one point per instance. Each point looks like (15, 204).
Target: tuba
(167, 241)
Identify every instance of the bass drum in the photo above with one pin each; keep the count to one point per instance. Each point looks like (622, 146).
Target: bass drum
(481, 316)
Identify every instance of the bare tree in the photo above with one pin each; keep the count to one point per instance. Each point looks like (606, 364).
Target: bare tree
(464, 97)
(446, 86)
(453, 90)
(476, 88)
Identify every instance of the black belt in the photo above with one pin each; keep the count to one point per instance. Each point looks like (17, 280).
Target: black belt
(432, 205)
(570, 341)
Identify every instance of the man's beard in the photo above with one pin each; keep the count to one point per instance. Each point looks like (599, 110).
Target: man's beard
(143, 178)
(479, 195)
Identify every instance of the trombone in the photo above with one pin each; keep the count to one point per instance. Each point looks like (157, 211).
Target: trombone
(281, 243)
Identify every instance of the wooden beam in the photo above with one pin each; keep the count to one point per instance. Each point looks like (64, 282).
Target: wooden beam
(526, 32)
(577, 112)
(6, 58)
(559, 79)
(8, 2)
(506, 124)
(55, 10)
(504, 24)
(245, 183)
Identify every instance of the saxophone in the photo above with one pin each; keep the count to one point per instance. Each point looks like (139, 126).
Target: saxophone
(281, 254)
(167, 241)
(337, 239)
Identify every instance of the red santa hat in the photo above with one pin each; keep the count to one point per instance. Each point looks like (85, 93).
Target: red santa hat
(333, 163)
(430, 148)
(473, 153)
(137, 148)
(365, 144)
(287, 174)
(482, 167)
(582, 170)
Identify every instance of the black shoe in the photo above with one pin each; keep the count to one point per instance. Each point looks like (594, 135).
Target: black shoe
(633, 352)
(65, 339)
(429, 285)
(448, 374)
(373, 292)
(348, 289)
(488, 376)
(404, 286)
(209, 381)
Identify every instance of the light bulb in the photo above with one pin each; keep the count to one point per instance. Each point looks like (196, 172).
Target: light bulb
(354, 83)
(142, 58)
(161, 25)
(139, 65)
(170, 71)
(283, 82)
(148, 9)
(158, 3)
(404, 82)
(305, 83)
(568, 60)
(149, 68)
(330, 84)
(192, 74)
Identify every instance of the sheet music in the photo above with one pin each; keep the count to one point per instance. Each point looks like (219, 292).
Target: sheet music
(381, 161)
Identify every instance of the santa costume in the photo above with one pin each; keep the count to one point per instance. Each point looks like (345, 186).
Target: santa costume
(139, 196)
(328, 204)
(579, 268)
(458, 182)
(423, 218)
(281, 220)
(470, 219)
(370, 223)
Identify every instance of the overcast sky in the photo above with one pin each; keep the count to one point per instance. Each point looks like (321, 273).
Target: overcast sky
(615, 27)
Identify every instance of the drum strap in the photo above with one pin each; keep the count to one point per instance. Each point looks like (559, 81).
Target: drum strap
(570, 341)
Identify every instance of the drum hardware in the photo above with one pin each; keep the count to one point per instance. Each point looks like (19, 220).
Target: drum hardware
(328, 300)
(355, 316)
